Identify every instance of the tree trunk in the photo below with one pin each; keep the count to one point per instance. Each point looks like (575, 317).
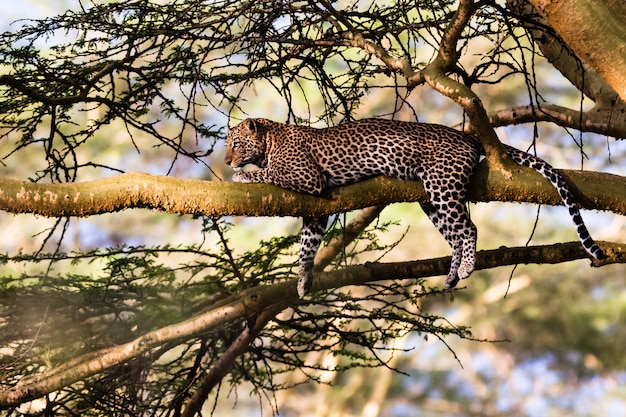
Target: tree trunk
(596, 32)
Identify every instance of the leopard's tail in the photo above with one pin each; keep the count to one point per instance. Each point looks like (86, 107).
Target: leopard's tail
(548, 172)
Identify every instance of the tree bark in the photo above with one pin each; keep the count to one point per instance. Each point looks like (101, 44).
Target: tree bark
(213, 198)
(607, 117)
(596, 32)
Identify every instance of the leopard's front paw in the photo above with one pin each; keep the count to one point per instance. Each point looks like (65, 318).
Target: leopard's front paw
(241, 176)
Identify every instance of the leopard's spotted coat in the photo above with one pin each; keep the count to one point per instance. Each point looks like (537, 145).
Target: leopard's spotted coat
(307, 160)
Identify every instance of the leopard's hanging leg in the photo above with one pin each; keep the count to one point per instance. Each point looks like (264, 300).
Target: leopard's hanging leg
(448, 212)
(457, 250)
(312, 233)
(461, 235)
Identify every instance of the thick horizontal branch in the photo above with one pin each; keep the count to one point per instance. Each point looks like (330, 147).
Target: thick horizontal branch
(597, 191)
(254, 301)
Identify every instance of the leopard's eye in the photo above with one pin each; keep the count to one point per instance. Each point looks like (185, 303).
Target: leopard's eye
(234, 145)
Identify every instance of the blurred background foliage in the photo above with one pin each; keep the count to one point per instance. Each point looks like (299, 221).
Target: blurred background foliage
(545, 340)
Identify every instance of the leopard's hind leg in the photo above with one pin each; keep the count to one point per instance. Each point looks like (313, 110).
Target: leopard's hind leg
(448, 212)
(457, 249)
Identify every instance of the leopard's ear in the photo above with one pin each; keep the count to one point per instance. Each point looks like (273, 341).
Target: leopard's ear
(250, 125)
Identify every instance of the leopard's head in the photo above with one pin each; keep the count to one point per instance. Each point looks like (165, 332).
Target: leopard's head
(245, 144)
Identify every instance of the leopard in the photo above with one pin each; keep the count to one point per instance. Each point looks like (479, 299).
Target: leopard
(308, 160)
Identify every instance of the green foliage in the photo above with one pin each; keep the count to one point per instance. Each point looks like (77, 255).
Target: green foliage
(48, 318)
(358, 326)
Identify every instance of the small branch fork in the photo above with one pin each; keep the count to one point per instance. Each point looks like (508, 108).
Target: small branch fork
(435, 75)
(225, 362)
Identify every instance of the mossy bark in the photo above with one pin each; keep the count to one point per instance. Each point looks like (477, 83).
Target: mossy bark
(597, 191)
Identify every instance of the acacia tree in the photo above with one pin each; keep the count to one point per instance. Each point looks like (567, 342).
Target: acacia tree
(124, 330)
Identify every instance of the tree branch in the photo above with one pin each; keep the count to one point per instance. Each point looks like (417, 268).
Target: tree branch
(577, 71)
(436, 76)
(225, 362)
(589, 121)
(326, 254)
(607, 116)
(213, 198)
(37, 95)
(33, 387)
(255, 301)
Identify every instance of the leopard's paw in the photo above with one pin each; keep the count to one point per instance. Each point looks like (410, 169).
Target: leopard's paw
(304, 284)
(465, 269)
(241, 176)
(451, 281)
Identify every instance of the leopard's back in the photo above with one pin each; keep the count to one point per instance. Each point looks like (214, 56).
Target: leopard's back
(307, 159)
(369, 147)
